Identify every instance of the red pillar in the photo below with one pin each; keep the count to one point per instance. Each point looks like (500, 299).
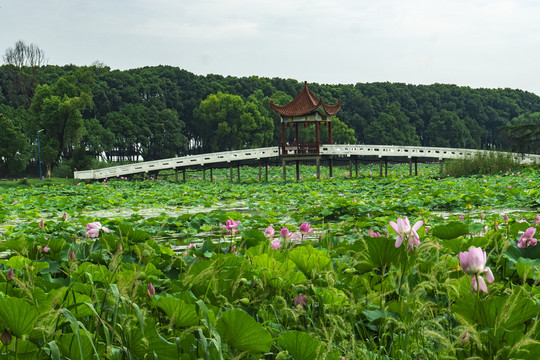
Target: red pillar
(283, 138)
(329, 132)
(317, 140)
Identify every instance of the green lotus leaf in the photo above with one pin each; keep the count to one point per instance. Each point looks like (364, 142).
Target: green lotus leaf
(17, 316)
(301, 346)
(450, 230)
(178, 312)
(243, 333)
(310, 260)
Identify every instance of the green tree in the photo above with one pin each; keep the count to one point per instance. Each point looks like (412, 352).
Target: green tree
(392, 127)
(13, 146)
(523, 133)
(446, 129)
(57, 109)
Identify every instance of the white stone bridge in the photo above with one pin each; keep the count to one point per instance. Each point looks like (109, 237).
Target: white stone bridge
(237, 157)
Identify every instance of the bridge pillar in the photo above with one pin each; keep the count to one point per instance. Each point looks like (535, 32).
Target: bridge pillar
(238, 171)
(380, 167)
(176, 176)
(356, 165)
(211, 175)
(184, 174)
(260, 172)
(441, 161)
(331, 163)
(385, 167)
(204, 174)
(350, 168)
(230, 173)
(266, 171)
(410, 166)
(415, 167)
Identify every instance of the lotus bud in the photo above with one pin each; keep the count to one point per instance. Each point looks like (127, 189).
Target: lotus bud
(6, 338)
(64, 217)
(120, 247)
(71, 256)
(10, 274)
(41, 224)
(464, 339)
(151, 291)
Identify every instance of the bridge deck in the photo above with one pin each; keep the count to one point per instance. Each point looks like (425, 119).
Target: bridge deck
(226, 157)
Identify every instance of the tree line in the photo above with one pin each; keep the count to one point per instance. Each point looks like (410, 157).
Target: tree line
(94, 112)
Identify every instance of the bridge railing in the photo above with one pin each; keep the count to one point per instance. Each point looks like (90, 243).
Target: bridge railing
(178, 162)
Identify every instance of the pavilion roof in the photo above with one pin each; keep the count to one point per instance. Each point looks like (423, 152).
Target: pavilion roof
(305, 103)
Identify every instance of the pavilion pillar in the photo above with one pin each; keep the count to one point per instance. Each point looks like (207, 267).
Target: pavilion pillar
(297, 171)
(283, 138)
(329, 132)
(317, 140)
(318, 164)
(296, 137)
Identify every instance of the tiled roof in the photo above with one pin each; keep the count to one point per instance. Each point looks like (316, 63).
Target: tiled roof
(305, 103)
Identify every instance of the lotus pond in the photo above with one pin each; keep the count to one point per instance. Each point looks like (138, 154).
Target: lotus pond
(152, 269)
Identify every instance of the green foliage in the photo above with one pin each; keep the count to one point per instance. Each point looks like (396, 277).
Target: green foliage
(488, 162)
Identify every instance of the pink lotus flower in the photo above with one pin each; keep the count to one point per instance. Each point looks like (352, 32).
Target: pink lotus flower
(306, 229)
(537, 220)
(46, 249)
(269, 232)
(230, 226)
(406, 232)
(150, 290)
(527, 239)
(473, 263)
(93, 229)
(505, 217)
(373, 234)
(285, 233)
(275, 244)
(300, 300)
(42, 224)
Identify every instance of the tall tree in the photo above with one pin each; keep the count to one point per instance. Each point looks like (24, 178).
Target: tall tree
(13, 146)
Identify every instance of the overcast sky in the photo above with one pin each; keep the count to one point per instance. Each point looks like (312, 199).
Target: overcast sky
(476, 43)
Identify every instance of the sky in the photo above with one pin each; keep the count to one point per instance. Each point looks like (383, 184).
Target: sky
(475, 43)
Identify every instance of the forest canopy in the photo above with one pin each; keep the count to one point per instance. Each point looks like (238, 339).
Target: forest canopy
(93, 112)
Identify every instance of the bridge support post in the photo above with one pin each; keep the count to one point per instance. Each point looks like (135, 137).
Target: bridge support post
(230, 173)
(260, 172)
(415, 167)
(176, 176)
(441, 161)
(297, 171)
(356, 165)
(204, 174)
(211, 175)
(350, 168)
(380, 167)
(266, 171)
(331, 164)
(410, 166)
(385, 167)
(238, 171)
(318, 164)
(284, 166)
(184, 174)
